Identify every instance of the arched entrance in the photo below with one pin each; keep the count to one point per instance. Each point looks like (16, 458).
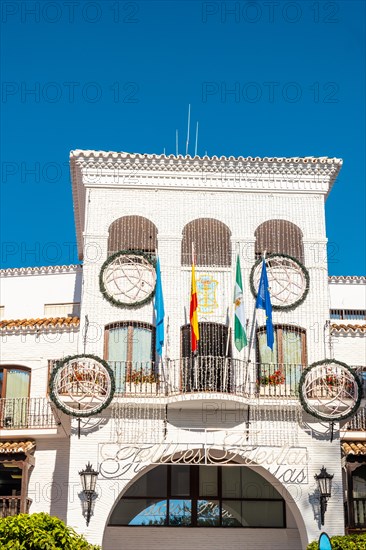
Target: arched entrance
(214, 506)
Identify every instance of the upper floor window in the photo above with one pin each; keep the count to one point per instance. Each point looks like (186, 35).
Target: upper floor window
(129, 341)
(132, 233)
(279, 237)
(211, 239)
(201, 496)
(289, 346)
(348, 313)
(71, 309)
(14, 381)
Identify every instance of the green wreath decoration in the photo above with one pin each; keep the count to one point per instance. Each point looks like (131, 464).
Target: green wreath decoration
(302, 267)
(77, 413)
(319, 416)
(149, 257)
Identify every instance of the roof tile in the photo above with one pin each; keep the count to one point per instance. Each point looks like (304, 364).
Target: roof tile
(8, 447)
(52, 322)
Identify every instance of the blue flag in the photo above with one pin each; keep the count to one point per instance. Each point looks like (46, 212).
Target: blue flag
(264, 302)
(159, 311)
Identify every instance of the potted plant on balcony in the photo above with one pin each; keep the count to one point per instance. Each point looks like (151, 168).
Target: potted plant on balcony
(268, 381)
(142, 381)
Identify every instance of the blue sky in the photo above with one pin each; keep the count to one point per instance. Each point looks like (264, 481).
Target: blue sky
(119, 76)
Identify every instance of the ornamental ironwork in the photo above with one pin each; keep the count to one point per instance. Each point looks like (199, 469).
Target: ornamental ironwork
(288, 280)
(82, 385)
(330, 390)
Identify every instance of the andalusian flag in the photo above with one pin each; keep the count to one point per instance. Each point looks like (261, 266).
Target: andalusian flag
(195, 334)
(240, 336)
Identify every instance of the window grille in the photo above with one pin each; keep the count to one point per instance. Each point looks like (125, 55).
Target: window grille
(348, 313)
(279, 237)
(132, 233)
(211, 240)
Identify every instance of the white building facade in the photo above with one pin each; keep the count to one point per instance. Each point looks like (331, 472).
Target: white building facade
(214, 448)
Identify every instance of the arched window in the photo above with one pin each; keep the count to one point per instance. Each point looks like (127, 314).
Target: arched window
(211, 240)
(201, 496)
(132, 233)
(279, 237)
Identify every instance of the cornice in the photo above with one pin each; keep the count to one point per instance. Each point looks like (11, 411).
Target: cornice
(348, 279)
(123, 168)
(43, 270)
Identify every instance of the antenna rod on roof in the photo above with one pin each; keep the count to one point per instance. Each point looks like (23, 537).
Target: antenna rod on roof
(195, 148)
(189, 122)
(176, 143)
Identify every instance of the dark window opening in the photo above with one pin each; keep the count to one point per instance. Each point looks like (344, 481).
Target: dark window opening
(201, 496)
(279, 237)
(132, 233)
(211, 239)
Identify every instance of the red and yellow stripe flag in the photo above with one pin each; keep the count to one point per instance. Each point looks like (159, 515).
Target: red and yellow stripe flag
(195, 334)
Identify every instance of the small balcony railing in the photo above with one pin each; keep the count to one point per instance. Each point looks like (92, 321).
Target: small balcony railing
(357, 423)
(11, 506)
(26, 412)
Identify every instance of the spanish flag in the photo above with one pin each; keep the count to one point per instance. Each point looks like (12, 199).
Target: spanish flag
(195, 334)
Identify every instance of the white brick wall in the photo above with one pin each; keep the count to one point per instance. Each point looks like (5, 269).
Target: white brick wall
(166, 201)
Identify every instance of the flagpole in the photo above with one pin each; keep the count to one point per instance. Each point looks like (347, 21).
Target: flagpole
(160, 357)
(253, 322)
(229, 330)
(195, 367)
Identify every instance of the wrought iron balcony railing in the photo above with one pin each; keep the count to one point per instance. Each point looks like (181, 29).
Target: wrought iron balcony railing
(207, 375)
(203, 374)
(26, 412)
(11, 506)
(357, 423)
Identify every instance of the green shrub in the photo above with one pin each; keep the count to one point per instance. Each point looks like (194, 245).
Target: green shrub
(40, 532)
(348, 542)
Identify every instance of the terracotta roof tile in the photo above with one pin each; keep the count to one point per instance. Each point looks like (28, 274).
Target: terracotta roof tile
(8, 447)
(347, 328)
(16, 324)
(353, 448)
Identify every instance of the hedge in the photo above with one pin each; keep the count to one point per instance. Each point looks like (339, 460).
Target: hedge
(347, 542)
(40, 532)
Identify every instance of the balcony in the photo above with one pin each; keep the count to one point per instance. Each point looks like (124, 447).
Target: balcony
(207, 375)
(11, 506)
(19, 413)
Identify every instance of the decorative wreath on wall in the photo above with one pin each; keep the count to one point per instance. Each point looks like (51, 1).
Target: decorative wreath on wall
(288, 280)
(128, 278)
(330, 390)
(82, 385)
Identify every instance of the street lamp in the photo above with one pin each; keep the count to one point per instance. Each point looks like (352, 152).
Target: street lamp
(88, 478)
(325, 490)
